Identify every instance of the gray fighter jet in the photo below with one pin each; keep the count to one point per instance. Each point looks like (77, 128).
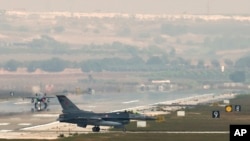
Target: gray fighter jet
(72, 114)
(40, 101)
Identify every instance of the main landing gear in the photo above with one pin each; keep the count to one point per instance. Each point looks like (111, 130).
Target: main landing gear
(96, 129)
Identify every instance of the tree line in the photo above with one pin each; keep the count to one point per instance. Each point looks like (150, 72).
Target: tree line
(177, 68)
(135, 63)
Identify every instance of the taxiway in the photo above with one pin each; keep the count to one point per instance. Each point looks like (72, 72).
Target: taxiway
(18, 122)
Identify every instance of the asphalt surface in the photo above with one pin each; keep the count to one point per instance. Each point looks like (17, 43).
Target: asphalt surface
(16, 112)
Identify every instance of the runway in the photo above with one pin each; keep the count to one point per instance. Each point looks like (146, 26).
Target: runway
(179, 132)
(17, 119)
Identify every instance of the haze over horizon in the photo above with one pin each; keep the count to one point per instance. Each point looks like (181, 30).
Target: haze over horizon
(131, 6)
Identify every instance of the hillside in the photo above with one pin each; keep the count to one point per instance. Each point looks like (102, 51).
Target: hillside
(78, 37)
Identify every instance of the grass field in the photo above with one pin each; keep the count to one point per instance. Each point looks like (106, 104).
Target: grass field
(142, 137)
(200, 118)
(150, 137)
(197, 119)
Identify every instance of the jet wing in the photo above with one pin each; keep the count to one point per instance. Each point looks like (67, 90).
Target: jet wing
(89, 119)
(49, 97)
(78, 118)
(37, 97)
(31, 97)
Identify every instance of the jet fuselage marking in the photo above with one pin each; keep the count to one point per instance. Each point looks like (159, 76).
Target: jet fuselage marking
(72, 114)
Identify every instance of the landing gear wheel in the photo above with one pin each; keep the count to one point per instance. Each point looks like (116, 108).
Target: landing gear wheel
(45, 106)
(96, 129)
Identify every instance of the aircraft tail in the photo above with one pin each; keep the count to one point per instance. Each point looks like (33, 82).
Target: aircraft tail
(67, 105)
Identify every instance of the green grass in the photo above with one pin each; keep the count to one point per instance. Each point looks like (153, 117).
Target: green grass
(200, 118)
(149, 137)
(141, 137)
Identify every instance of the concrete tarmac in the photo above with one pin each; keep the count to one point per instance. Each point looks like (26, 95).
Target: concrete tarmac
(16, 118)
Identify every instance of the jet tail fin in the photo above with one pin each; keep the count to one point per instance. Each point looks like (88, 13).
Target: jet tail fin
(67, 105)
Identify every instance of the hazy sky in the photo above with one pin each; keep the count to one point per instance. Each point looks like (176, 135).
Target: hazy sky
(133, 6)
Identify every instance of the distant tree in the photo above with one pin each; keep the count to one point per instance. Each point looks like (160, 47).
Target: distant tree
(228, 62)
(165, 58)
(200, 64)
(32, 66)
(181, 61)
(154, 60)
(238, 76)
(91, 65)
(11, 65)
(243, 62)
(215, 63)
(136, 60)
(53, 65)
(172, 52)
(45, 41)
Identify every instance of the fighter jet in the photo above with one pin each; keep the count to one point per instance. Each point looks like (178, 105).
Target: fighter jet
(40, 101)
(72, 114)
